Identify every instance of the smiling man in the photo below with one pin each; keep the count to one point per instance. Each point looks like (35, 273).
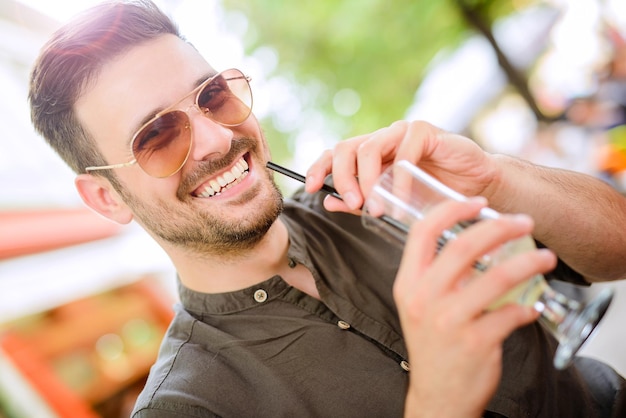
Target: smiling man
(217, 214)
(287, 308)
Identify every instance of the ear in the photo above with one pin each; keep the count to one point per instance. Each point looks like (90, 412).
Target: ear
(99, 195)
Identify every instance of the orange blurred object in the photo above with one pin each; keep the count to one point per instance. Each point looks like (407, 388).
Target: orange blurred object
(611, 158)
(29, 232)
(91, 356)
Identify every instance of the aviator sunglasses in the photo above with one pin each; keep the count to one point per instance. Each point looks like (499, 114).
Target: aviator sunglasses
(162, 145)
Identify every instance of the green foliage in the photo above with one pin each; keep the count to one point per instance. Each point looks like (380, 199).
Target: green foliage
(379, 48)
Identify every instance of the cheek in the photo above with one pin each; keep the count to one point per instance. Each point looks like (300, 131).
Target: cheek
(268, 152)
(149, 189)
(252, 129)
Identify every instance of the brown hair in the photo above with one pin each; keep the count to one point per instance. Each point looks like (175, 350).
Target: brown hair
(72, 59)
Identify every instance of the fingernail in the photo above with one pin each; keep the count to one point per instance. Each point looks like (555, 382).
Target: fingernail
(351, 200)
(479, 199)
(310, 179)
(523, 219)
(530, 312)
(546, 253)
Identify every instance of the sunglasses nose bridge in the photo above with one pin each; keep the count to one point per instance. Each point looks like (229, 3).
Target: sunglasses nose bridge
(203, 111)
(206, 113)
(193, 106)
(208, 136)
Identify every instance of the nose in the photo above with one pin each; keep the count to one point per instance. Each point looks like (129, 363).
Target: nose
(210, 139)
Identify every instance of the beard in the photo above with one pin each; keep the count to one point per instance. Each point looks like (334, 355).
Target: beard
(208, 233)
(212, 231)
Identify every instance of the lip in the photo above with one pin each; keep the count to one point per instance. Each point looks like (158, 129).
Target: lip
(197, 192)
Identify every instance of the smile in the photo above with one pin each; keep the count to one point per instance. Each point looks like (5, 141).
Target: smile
(225, 181)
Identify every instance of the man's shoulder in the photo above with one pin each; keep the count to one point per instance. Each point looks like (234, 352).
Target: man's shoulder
(167, 385)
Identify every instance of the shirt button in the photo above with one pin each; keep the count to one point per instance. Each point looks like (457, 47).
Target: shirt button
(260, 295)
(343, 325)
(405, 365)
(292, 263)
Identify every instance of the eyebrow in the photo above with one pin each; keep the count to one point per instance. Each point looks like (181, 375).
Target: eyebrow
(156, 111)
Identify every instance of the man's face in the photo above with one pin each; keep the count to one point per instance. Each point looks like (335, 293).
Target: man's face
(137, 85)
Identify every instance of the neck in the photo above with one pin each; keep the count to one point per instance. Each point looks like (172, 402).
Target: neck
(214, 274)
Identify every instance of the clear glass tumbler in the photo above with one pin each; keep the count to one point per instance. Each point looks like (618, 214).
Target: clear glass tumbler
(404, 193)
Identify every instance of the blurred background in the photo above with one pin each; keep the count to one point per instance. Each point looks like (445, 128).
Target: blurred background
(84, 302)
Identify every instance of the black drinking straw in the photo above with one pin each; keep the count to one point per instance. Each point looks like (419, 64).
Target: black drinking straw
(331, 191)
(289, 173)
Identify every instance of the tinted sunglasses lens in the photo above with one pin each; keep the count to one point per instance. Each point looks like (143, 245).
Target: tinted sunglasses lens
(161, 147)
(227, 98)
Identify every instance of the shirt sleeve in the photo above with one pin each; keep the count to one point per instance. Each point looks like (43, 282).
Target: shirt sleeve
(564, 272)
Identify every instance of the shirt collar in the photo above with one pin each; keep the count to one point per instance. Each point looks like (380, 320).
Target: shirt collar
(239, 300)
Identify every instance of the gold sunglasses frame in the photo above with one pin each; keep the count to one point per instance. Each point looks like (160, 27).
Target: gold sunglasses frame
(171, 108)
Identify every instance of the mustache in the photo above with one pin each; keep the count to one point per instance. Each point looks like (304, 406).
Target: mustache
(208, 168)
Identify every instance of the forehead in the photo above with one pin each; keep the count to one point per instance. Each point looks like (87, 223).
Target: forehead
(143, 80)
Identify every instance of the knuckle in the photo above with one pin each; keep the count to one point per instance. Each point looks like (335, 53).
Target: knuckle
(366, 148)
(460, 246)
(423, 230)
(343, 147)
(445, 320)
(415, 313)
(505, 278)
(398, 290)
(421, 126)
(418, 123)
(403, 124)
(503, 223)
(473, 342)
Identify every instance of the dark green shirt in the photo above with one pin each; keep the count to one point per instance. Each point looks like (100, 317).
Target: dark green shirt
(273, 351)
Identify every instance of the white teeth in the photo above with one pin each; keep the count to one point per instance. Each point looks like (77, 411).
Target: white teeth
(229, 177)
(215, 185)
(226, 180)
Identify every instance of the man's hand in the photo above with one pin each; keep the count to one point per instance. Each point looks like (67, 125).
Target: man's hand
(454, 343)
(455, 160)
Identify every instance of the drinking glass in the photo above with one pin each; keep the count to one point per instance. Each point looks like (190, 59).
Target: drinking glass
(404, 193)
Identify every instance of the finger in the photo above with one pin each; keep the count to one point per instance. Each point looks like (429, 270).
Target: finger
(332, 204)
(421, 244)
(494, 327)
(460, 254)
(376, 153)
(318, 171)
(493, 286)
(423, 138)
(344, 169)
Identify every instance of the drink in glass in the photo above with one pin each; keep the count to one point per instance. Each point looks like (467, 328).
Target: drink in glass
(404, 193)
